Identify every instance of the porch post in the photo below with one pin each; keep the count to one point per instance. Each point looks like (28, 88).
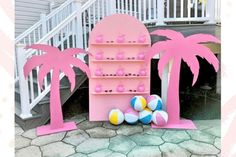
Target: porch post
(160, 12)
(23, 82)
(210, 11)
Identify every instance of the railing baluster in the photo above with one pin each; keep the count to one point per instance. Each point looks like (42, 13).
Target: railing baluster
(195, 9)
(155, 9)
(174, 8)
(122, 6)
(135, 8)
(98, 10)
(203, 9)
(29, 39)
(181, 8)
(89, 19)
(189, 8)
(85, 31)
(73, 35)
(126, 7)
(144, 10)
(107, 8)
(139, 10)
(118, 7)
(103, 9)
(94, 20)
(131, 7)
(149, 10)
(167, 8)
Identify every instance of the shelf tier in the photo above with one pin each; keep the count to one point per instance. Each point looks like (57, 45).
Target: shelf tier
(119, 93)
(125, 60)
(120, 44)
(119, 77)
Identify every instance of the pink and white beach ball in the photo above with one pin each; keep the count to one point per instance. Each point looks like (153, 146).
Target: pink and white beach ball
(159, 118)
(154, 102)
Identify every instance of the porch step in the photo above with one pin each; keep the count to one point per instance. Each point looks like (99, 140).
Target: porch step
(40, 112)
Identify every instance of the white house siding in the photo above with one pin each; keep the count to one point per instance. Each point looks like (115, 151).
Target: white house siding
(27, 12)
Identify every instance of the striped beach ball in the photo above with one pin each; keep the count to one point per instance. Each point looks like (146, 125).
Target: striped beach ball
(138, 103)
(159, 118)
(131, 116)
(145, 116)
(116, 117)
(154, 102)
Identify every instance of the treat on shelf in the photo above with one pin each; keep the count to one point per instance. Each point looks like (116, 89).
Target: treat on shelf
(142, 72)
(120, 38)
(120, 55)
(120, 88)
(99, 38)
(141, 56)
(141, 88)
(99, 55)
(99, 72)
(120, 72)
(141, 38)
(98, 88)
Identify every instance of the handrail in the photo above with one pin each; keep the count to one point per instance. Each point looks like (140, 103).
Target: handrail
(87, 5)
(54, 31)
(28, 31)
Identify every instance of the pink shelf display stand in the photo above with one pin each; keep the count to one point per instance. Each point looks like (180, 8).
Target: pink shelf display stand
(111, 36)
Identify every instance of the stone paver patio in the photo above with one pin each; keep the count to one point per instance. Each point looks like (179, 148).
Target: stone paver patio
(101, 139)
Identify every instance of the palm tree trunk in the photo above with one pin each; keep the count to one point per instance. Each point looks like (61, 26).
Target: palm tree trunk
(55, 102)
(172, 104)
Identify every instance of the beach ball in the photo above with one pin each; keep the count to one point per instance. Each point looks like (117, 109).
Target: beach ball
(138, 103)
(154, 102)
(116, 117)
(159, 118)
(131, 116)
(145, 116)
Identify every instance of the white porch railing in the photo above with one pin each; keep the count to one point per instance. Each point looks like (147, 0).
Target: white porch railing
(69, 26)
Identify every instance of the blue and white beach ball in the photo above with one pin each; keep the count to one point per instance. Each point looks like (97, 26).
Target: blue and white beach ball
(160, 118)
(145, 116)
(131, 116)
(116, 117)
(154, 102)
(138, 103)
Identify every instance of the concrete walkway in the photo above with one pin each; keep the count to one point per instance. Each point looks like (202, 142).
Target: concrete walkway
(100, 139)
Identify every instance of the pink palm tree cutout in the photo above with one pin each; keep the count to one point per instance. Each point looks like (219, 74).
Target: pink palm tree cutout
(55, 60)
(180, 48)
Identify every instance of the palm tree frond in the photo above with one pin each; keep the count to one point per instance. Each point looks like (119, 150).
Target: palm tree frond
(205, 52)
(80, 64)
(44, 69)
(171, 34)
(69, 72)
(163, 61)
(193, 64)
(32, 63)
(156, 49)
(43, 47)
(201, 38)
